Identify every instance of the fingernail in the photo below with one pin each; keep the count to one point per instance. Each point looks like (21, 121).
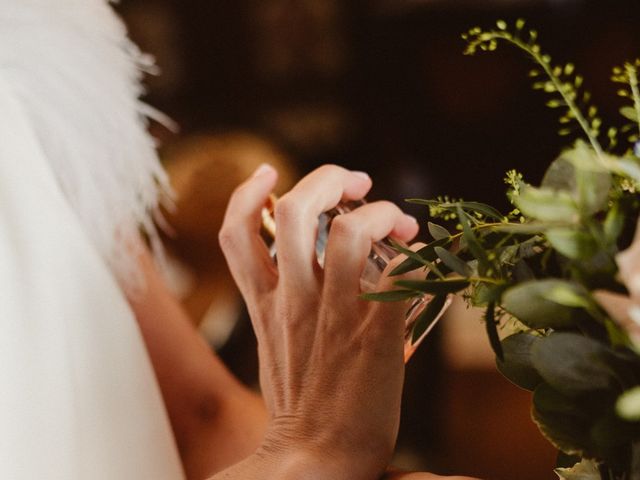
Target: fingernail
(262, 169)
(363, 175)
(411, 217)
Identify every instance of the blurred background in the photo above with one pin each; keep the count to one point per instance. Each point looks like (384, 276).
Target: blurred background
(380, 86)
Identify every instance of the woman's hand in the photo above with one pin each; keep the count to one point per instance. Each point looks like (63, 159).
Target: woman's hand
(331, 363)
(420, 476)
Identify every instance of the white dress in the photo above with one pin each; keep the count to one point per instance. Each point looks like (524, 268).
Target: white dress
(78, 397)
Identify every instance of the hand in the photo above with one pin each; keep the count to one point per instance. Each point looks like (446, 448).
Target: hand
(420, 476)
(331, 364)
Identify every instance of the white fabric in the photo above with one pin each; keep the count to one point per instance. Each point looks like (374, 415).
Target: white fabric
(78, 398)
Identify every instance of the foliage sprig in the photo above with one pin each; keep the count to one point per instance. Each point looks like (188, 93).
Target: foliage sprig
(538, 266)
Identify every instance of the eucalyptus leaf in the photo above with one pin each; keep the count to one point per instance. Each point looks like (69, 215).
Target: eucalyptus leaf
(628, 405)
(420, 258)
(508, 254)
(547, 205)
(491, 326)
(475, 207)
(429, 315)
(456, 264)
(574, 364)
(580, 172)
(534, 304)
(629, 113)
(484, 293)
(390, 296)
(627, 168)
(517, 365)
(562, 421)
(569, 295)
(613, 224)
(482, 208)
(434, 287)
(611, 434)
(522, 272)
(572, 243)
(438, 232)
(528, 228)
(472, 243)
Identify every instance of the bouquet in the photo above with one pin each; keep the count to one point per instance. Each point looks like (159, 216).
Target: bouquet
(557, 276)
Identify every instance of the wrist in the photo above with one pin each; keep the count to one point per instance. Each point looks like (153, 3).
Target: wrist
(300, 459)
(306, 465)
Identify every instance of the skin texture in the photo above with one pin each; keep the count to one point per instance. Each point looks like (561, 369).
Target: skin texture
(315, 335)
(331, 364)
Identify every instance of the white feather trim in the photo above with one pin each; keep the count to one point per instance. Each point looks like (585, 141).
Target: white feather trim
(78, 76)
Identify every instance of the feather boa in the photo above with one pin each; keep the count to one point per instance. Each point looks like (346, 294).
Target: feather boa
(78, 76)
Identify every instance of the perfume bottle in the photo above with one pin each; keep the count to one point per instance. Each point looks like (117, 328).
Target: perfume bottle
(380, 256)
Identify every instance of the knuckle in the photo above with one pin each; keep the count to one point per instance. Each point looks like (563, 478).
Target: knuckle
(330, 169)
(288, 209)
(389, 207)
(227, 238)
(344, 226)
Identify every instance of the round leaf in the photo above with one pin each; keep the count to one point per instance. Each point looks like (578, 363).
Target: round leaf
(628, 405)
(573, 364)
(561, 420)
(517, 365)
(547, 205)
(534, 304)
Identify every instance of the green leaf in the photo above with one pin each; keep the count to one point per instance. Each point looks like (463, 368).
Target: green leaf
(568, 295)
(421, 258)
(629, 113)
(434, 287)
(426, 319)
(563, 421)
(573, 364)
(484, 293)
(627, 168)
(547, 205)
(472, 243)
(517, 365)
(456, 264)
(528, 228)
(572, 243)
(491, 326)
(438, 232)
(482, 208)
(475, 207)
(535, 304)
(411, 255)
(390, 296)
(611, 435)
(628, 405)
(613, 224)
(585, 470)
(580, 172)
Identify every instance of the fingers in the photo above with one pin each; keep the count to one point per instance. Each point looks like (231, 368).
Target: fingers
(297, 215)
(246, 253)
(350, 240)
